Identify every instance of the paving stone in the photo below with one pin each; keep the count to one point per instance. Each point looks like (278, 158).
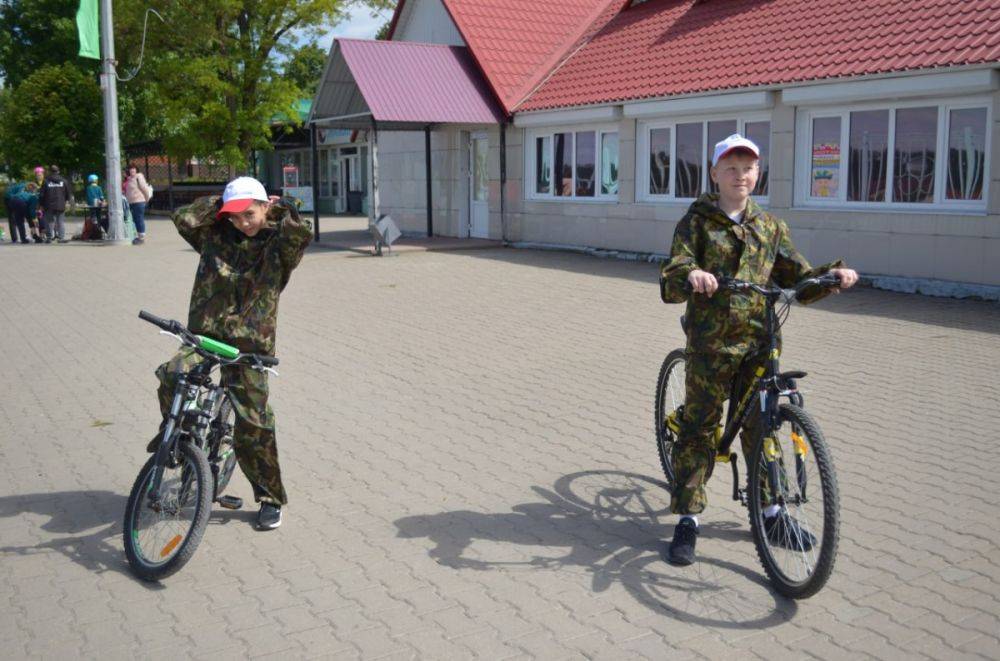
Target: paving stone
(457, 432)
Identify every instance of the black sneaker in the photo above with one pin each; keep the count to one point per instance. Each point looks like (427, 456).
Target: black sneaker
(269, 516)
(681, 551)
(784, 531)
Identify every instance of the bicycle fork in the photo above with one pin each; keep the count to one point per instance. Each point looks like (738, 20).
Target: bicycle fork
(182, 392)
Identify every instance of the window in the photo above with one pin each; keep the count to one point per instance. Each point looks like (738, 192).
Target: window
(675, 156)
(689, 154)
(579, 165)
(659, 161)
(869, 152)
(324, 173)
(609, 164)
(892, 155)
(915, 155)
(586, 162)
(966, 153)
(543, 165)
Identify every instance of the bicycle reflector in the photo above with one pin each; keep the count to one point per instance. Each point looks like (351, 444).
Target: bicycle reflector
(216, 347)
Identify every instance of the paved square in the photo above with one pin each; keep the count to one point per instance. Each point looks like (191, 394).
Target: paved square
(467, 443)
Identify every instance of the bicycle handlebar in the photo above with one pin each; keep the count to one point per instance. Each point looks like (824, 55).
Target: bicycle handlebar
(175, 327)
(732, 284)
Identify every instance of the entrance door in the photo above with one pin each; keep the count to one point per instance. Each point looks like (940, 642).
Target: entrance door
(336, 189)
(479, 186)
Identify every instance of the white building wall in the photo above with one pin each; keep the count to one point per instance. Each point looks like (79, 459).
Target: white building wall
(427, 21)
(403, 180)
(955, 246)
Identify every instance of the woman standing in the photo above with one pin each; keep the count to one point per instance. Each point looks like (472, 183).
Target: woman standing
(138, 193)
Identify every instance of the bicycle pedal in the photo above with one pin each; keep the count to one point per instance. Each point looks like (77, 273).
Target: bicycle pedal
(230, 502)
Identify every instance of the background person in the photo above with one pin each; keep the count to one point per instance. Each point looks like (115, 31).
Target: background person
(138, 193)
(56, 195)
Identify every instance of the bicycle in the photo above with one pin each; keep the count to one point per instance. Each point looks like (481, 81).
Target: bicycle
(782, 466)
(171, 500)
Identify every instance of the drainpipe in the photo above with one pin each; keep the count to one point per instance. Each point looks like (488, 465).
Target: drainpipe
(314, 143)
(430, 199)
(503, 182)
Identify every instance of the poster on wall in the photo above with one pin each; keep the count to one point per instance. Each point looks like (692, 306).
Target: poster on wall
(825, 169)
(290, 176)
(301, 195)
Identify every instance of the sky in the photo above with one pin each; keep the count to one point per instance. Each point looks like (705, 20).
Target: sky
(360, 25)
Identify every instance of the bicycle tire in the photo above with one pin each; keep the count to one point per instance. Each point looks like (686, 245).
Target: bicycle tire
(222, 429)
(665, 438)
(816, 568)
(193, 459)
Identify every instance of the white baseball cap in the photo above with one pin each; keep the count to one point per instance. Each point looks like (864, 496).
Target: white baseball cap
(240, 193)
(733, 142)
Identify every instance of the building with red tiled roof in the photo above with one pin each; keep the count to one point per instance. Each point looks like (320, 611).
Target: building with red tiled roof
(877, 123)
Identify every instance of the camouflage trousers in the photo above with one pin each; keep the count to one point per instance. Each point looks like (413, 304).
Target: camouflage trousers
(253, 436)
(707, 386)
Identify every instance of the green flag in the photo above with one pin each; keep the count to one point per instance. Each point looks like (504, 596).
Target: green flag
(88, 26)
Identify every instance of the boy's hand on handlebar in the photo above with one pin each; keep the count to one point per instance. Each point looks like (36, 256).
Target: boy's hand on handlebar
(702, 282)
(848, 278)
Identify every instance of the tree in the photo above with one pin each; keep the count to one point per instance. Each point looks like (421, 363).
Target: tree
(35, 33)
(304, 68)
(215, 72)
(53, 116)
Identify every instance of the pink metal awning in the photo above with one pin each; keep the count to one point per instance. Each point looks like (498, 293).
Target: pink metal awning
(402, 85)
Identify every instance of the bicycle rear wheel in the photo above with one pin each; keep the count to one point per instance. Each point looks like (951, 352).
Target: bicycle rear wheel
(669, 398)
(160, 539)
(797, 547)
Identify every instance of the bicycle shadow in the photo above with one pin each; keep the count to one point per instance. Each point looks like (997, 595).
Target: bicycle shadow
(615, 534)
(88, 525)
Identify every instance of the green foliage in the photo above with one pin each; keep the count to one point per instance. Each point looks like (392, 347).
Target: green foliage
(214, 69)
(53, 116)
(34, 33)
(304, 68)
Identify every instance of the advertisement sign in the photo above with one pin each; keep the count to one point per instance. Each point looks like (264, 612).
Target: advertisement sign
(825, 170)
(290, 176)
(301, 195)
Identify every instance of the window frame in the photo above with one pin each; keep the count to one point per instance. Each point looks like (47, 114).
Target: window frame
(944, 105)
(530, 159)
(645, 126)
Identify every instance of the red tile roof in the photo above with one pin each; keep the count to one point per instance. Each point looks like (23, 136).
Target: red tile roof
(517, 42)
(425, 83)
(667, 47)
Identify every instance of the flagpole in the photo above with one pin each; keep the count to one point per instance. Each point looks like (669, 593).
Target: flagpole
(112, 150)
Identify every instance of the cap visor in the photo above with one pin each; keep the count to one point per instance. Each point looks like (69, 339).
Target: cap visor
(234, 206)
(739, 148)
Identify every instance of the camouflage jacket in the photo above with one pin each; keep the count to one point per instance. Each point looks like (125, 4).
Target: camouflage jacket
(239, 278)
(758, 250)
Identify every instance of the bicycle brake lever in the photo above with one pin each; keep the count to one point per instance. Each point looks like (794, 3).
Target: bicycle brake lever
(173, 335)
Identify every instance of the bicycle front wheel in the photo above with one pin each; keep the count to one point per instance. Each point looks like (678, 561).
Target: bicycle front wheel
(669, 398)
(161, 537)
(792, 479)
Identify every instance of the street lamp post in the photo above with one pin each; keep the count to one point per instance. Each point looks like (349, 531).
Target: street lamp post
(112, 150)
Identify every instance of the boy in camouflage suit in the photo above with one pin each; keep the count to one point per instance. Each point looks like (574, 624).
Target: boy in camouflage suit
(249, 245)
(725, 234)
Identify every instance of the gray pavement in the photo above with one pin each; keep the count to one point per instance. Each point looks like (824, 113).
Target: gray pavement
(466, 442)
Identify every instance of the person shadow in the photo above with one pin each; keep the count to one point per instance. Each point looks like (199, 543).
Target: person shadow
(84, 526)
(615, 527)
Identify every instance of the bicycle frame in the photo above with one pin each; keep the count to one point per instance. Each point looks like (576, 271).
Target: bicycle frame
(765, 392)
(187, 403)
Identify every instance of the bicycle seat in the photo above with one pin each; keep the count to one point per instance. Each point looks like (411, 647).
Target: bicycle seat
(785, 376)
(684, 323)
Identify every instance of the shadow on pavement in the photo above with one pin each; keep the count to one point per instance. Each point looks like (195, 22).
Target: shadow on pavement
(89, 525)
(615, 534)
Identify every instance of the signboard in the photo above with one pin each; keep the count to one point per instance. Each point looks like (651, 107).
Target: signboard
(825, 177)
(290, 176)
(301, 195)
